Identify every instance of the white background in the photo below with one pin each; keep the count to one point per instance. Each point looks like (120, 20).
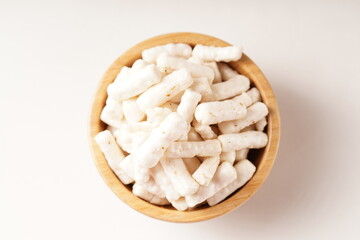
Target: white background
(53, 53)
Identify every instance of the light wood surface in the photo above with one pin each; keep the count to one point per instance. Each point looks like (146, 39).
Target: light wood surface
(263, 159)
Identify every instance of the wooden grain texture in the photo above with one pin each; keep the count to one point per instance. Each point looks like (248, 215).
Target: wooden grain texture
(263, 159)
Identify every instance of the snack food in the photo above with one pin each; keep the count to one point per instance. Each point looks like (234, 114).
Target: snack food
(182, 125)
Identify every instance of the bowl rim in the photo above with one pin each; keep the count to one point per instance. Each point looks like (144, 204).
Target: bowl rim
(245, 66)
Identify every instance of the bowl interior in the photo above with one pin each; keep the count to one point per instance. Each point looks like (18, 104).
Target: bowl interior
(263, 159)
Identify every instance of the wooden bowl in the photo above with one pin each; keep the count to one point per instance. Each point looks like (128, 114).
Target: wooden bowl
(263, 159)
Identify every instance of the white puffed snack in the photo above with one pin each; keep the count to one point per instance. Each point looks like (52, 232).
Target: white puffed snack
(180, 204)
(254, 113)
(188, 103)
(238, 141)
(171, 85)
(245, 170)
(139, 64)
(184, 137)
(196, 70)
(206, 170)
(113, 154)
(156, 115)
(202, 86)
(129, 166)
(218, 54)
(141, 192)
(152, 187)
(132, 112)
(230, 88)
(130, 136)
(241, 154)
(194, 136)
(123, 74)
(174, 49)
(177, 98)
(191, 149)
(254, 95)
(136, 83)
(228, 156)
(171, 106)
(171, 129)
(226, 71)
(224, 175)
(215, 68)
(205, 131)
(192, 164)
(164, 182)
(112, 113)
(195, 60)
(214, 112)
(244, 98)
(261, 124)
(179, 176)
(142, 174)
